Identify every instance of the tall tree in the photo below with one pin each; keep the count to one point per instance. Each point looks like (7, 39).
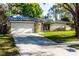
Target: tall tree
(76, 20)
(26, 9)
(57, 10)
(73, 8)
(54, 10)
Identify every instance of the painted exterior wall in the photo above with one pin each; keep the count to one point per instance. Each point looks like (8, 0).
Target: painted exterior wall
(59, 27)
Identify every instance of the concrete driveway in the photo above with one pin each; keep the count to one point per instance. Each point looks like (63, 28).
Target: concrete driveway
(31, 44)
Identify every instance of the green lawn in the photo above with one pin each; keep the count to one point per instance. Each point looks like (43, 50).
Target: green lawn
(61, 36)
(7, 45)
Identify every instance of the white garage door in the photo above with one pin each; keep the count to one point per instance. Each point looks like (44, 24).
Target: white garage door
(22, 27)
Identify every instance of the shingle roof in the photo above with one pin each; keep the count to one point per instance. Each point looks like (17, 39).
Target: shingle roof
(21, 18)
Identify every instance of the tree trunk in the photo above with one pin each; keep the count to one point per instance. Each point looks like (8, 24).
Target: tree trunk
(55, 17)
(77, 31)
(77, 20)
(75, 28)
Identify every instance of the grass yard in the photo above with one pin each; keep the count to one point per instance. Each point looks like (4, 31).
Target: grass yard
(61, 36)
(75, 46)
(7, 45)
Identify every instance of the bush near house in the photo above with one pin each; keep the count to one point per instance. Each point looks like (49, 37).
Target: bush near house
(7, 45)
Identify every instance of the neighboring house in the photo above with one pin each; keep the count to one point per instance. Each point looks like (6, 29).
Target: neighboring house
(24, 24)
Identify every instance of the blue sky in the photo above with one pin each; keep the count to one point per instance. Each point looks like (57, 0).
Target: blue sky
(46, 7)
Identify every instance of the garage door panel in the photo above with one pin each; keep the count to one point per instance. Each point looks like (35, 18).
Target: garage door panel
(22, 27)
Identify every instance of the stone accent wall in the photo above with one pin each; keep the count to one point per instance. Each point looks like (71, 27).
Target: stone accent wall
(37, 27)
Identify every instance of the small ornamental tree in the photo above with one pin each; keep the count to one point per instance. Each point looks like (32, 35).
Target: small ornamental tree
(3, 21)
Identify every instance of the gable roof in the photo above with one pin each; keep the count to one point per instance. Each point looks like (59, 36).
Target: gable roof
(23, 18)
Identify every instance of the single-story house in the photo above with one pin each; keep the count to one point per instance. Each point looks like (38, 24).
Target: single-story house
(21, 24)
(24, 24)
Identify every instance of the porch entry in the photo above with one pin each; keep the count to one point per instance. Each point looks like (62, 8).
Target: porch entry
(45, 27)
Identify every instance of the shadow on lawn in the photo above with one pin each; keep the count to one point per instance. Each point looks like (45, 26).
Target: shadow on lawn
(7, 46)
(60, 39)
(41, 41)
